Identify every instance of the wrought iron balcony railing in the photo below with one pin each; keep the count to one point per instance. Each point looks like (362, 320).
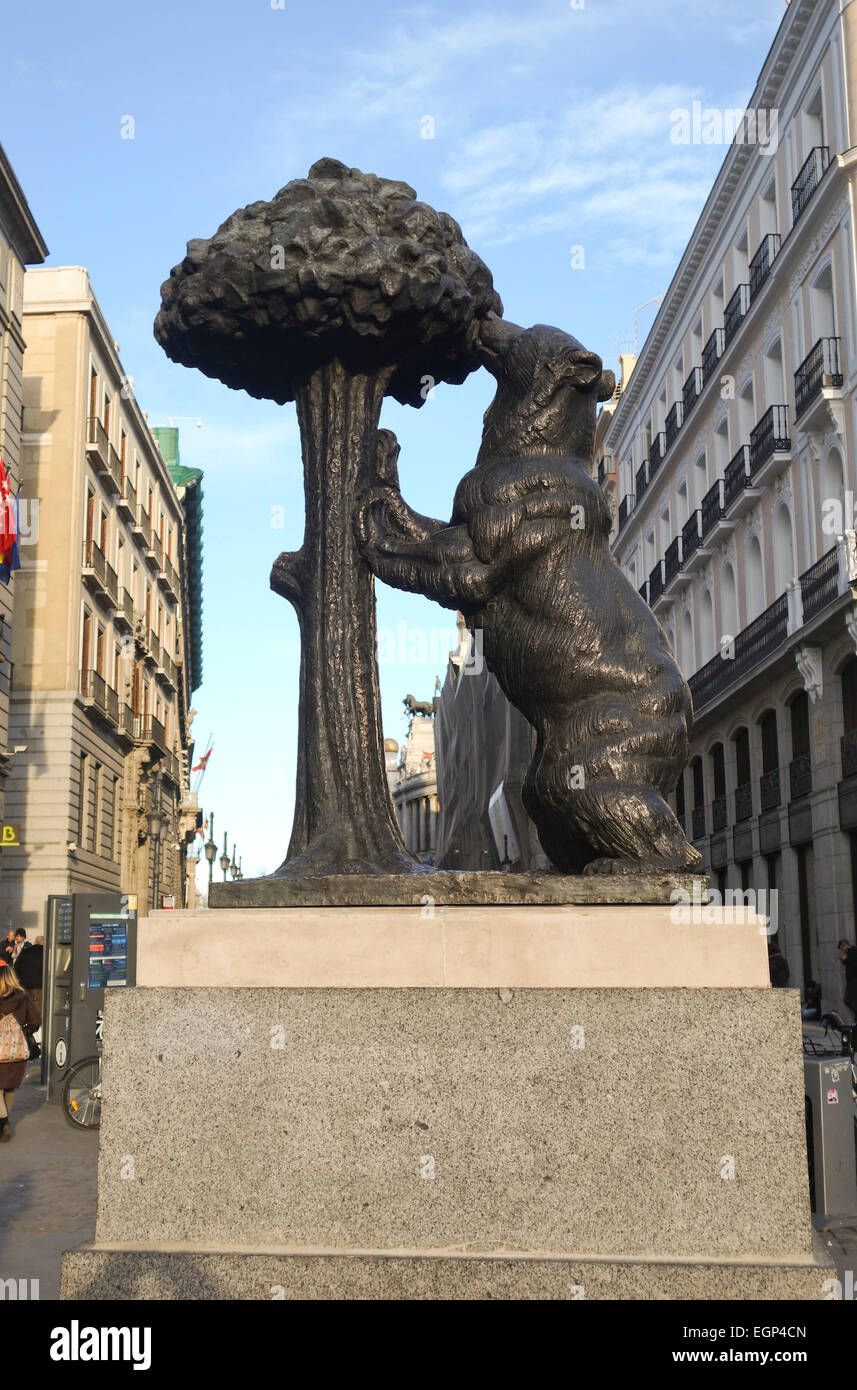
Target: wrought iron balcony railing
(743, 801)
(97, 442)
(626, 506)
(148, 729)
(673, 423)
(771, 436)
(769, 789)
(756, 642)
(142, 526)
(818, 370)
(800, 776)
(819, 585)
(718, 814)
(760, 266)
(641, 479)
(672, 560)
(690, 536)
(807, 181)
(656, 582)
(848, 748)
(736, 477)
(643, 590)
(698, 822)
(96, 692)
(734, 313)
(124, 607)
(656, 453)
(127, 501)
(712, 507)
(712, 353)
(691, 391)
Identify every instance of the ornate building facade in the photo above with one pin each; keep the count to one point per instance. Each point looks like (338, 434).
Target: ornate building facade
(733, 444)
(102, 677)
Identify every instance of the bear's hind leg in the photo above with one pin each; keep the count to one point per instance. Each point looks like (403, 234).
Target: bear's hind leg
(611, 827)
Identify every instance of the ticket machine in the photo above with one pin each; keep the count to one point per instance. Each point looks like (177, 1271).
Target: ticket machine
(90, 947)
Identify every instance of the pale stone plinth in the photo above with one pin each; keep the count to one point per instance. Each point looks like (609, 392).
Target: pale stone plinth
(568, 946)
(312, 1139)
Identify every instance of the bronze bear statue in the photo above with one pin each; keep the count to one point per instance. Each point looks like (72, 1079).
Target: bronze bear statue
(526, 558)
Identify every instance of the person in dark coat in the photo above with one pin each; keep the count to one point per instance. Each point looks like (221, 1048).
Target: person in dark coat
(7, 950)
(778, 967)
(13, 1000)
(848, 956)
(28, 968)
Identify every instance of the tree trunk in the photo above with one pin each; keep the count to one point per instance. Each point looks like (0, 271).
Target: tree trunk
(344, 819)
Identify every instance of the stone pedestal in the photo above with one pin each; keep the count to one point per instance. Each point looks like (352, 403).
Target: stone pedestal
(451, 1116)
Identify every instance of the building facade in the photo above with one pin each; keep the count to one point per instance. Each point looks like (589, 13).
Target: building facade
(102, 682)
(733, 446)
(412, 778)
(21, 244)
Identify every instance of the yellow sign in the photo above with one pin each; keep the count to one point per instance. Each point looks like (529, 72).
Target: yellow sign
(10, 836)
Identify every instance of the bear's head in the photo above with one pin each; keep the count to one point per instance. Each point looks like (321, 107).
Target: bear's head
(548, 386)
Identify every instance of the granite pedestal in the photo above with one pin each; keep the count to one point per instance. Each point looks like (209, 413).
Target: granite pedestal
(496, 1131)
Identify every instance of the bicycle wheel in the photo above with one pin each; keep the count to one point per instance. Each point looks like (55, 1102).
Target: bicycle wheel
(81, 1094)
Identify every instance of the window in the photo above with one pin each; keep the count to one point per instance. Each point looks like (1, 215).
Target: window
(768, 210)
(107, 406)
(770, 747)
(85, 642)
(82, 797)
(721, 447)
(755, 579)
(821, 305)
(123, 451)
(117, 822)
(94, 838)
(784, 549)
(813, 123)
(102, 533)
(775, 377)
(99, 651)
(93, 392)
(90, 515)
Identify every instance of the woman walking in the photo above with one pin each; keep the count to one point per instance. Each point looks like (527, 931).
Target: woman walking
(17, 1014)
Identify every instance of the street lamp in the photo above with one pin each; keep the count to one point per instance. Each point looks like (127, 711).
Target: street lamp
(224, 858)
(210, 849)
(240, 870)
(233, 867)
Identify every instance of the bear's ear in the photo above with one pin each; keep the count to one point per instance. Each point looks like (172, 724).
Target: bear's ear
(581, 368)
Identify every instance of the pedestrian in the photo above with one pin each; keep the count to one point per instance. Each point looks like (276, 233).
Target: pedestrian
(8, 949)
(20, 942)
(18, 1016)
(848, 956)
(28, 968)
(778, 966)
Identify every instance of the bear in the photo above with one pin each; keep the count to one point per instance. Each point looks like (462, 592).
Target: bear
(526, 559)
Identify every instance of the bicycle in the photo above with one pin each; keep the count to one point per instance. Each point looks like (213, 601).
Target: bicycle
(81, 1092)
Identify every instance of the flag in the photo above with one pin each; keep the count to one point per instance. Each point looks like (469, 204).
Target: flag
(203, 762)
(9, 560)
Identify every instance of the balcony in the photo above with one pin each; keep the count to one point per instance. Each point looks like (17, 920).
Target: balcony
(752, 646)
(848, 748)
(770, 446)
(98, 576)
(167, 671)
(691, 539)
(711, 354)
(738, 494)
(698, 822)
(691, 391)
(643, 590)
(148, 729)
(97, 444)
(112, 478)
(819, 585)
(714, 523)
(656, 454)
(154, 647)
(800, 777)
(626, 506)
(97, 695)
(807, 181)
(718, 814)
(123, 613)
(673, 423)
(172, 767)
(760, 266)
(672, 562)
(818, 374)
(156, 551)
(734, 313)
(126, 503)
(641, 480)
(141, 527)
(126, 722)
(769, 790)
(656, 583)
(169, 579)
(743, 802)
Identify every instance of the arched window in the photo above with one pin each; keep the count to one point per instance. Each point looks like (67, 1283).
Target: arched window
(784, 550)
(755, 575)
(770, 783)
(707, 639)
(833, 485)
(728, 601)
(746, 412)
(775, 379)
(800, 770)
(821, 306)
(743, 779)
(718, 770)
(687, 659)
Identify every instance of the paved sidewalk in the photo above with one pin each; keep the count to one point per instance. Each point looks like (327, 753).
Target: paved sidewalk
(47, 1189)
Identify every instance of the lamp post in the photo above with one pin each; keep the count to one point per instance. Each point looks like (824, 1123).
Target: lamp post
(210, 848)
(224, 858)
(233, 867)
(240, 870)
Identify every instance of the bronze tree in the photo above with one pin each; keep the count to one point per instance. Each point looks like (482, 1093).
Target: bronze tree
(341, 290)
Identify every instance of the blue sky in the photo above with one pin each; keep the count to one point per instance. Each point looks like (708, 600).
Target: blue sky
(552, 131)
